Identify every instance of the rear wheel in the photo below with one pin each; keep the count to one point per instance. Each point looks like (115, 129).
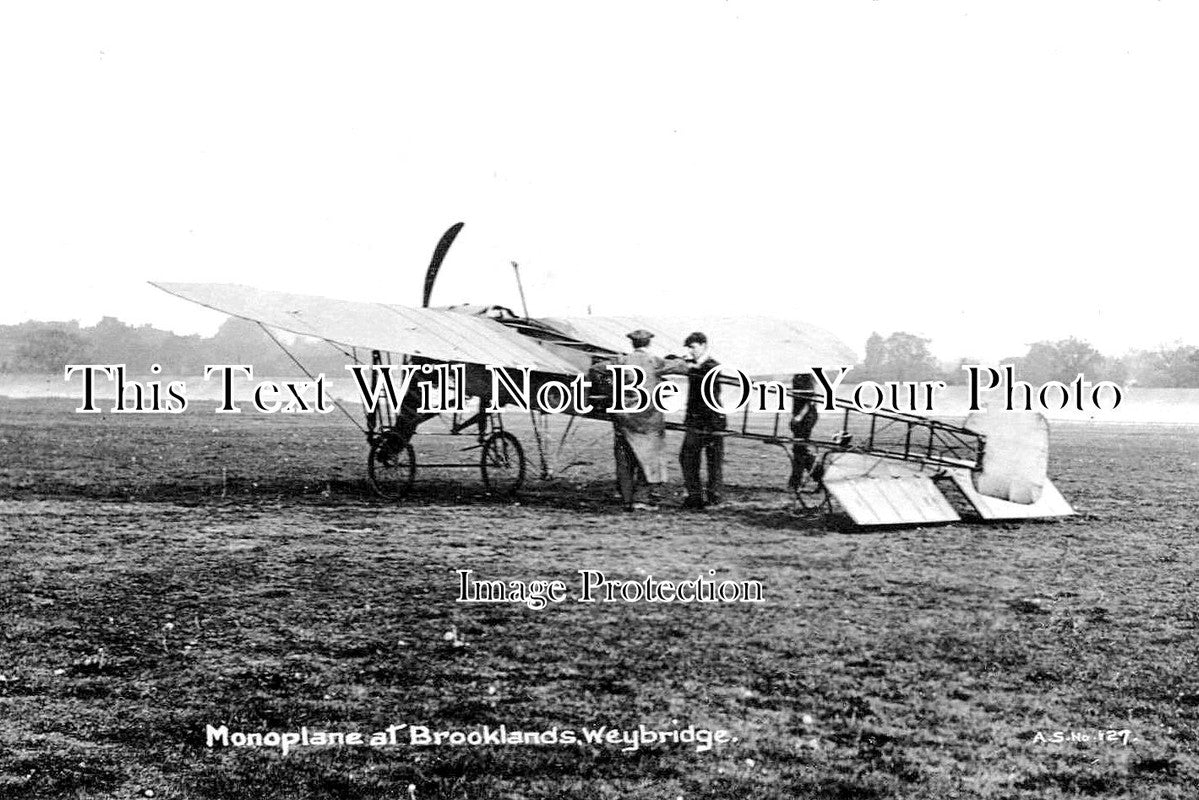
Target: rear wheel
(503, 464)
(811, 494)
(391, 466)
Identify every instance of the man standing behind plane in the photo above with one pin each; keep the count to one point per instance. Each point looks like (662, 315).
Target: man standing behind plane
(803, 420)
(703, 422)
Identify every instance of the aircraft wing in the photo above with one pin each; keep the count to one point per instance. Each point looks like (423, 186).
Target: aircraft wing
(430, 333)
(760, 347)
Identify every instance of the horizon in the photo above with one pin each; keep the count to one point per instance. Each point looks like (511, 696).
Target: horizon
(858, 349)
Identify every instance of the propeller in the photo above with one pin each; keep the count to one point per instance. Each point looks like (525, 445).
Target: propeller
(439, 252)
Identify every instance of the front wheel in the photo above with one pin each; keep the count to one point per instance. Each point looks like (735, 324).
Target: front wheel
(391, 467)
(503, 464)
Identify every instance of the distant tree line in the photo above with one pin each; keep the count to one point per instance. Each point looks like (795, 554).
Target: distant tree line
(904, 356)
(45, 347)
(41, 347)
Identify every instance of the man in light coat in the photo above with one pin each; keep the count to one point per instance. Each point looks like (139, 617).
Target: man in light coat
(639, 444)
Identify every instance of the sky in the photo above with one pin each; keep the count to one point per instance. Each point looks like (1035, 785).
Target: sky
(982, 174)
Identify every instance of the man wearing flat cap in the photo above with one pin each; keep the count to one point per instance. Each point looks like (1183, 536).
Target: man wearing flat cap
(640, 438)
(702, 440)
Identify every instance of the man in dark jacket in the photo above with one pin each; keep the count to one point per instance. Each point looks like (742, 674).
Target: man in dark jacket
(701, 439)
(803, 420)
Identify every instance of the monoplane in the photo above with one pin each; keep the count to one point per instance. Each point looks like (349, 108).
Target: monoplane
(881, 467)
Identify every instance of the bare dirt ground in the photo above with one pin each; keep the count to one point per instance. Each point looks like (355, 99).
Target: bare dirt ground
(163, 574)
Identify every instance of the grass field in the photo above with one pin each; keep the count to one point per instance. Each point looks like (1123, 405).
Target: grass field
(162, 574)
